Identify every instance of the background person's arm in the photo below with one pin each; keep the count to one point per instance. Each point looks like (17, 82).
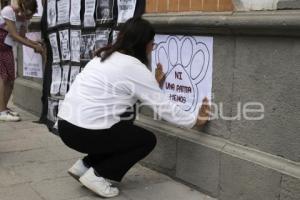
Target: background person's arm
(23, 30)
(12, 30)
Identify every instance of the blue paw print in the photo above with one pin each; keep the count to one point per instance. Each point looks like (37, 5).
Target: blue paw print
(185, 63)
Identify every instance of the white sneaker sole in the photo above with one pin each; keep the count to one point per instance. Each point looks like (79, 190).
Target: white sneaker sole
(15, 114)
(74, 175)
(10, 120)
(87, 184)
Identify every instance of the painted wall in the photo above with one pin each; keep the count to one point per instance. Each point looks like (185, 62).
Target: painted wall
(162, 6)
(188, 5)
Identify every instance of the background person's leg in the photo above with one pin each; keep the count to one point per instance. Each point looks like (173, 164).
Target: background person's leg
(8, 91)
(7, 76)
(2, 95)
(5, 114)
(7, 66)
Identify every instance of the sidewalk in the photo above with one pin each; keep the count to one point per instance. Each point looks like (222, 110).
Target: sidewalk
(34, 163)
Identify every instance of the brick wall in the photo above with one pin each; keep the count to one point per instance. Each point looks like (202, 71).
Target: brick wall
(161, 6)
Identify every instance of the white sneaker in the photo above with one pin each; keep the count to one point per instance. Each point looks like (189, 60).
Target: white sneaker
(14, 113)
(98, 184)
(78, 169)
(8, 117)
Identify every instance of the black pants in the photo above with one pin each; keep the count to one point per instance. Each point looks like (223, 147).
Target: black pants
(111, 152)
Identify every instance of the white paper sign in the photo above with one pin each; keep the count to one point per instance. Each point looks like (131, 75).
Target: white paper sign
(40, 9)
(87, 46)
(54, 47)
(102, 36)
(89, 20)
(187, 63)
(64, 44)
(55, 112)
(56, 80)
(126, 10)
(32, 62)
(52, 109)
(63, 11)
(75, 70)
(75, 12)
(51, 13)
(60, 102)
(65, 79)
(104, 12)
(115, 35)
(75, 45)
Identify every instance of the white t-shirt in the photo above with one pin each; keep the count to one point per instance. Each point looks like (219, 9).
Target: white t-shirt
(8, 13)
(104, 90)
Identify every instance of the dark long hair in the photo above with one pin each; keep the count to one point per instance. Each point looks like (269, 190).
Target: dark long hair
(30, 5)
(132, 40)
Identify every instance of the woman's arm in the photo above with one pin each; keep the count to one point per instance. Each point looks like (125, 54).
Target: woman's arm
(203, 113)
(12, 30)
(23, 31)
(145, 88)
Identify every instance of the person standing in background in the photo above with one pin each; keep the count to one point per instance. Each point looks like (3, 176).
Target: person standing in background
(13, 26)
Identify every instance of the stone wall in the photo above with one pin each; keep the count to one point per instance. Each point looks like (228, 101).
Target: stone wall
(254, 61)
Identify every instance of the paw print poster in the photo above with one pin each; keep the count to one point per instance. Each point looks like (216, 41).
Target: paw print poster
(187, 62)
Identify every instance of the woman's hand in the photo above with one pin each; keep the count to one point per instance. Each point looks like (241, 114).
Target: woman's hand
(160, 75)
(39, 49)
(204, 113)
